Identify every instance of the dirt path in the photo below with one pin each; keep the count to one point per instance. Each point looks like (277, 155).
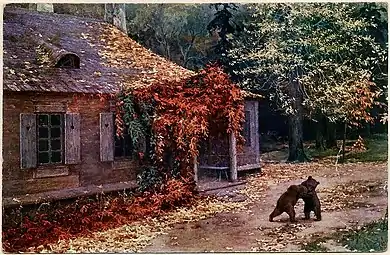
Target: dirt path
(354, 194)
(237, 220)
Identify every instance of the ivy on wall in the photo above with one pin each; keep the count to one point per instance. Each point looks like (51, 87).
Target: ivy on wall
(173, 117)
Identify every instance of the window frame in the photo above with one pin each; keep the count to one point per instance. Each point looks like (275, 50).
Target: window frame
(48, 139)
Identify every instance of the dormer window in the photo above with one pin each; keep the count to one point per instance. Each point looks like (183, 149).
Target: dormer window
(56, 57)
(68, 60)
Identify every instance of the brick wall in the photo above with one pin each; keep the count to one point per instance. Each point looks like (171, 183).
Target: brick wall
(18, 181)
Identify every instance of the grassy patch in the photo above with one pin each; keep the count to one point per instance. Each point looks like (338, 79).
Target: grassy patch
(377, 150)
(370, 238)
(316, 245)
(313, 153)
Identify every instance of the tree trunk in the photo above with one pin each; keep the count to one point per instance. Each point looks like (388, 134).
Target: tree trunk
(45, 7)
(367, 130)
(320, 131)
(295, 123)
(32, 7)
(109, 13)
(344, 138)
(331, 140)
(120, 17)
(320, 142)
(296, 152)
(116, 14)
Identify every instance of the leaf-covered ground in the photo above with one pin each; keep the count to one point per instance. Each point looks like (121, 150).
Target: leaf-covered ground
(352, 195)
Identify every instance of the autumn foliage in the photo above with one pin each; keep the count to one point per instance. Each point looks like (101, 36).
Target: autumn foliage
(22, 230)
(184, 113)
(362, 97)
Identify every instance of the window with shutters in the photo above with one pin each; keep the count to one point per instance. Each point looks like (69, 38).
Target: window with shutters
(111, 146)
(50, 137)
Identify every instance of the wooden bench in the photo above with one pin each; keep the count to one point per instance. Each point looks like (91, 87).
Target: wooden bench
(219, 170)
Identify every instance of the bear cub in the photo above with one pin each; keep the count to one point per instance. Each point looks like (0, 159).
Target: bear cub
(287, 201)
(312, 202)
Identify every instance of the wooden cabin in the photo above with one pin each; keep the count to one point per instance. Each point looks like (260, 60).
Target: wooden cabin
(58, 128)
(220, 154)
(58, 133)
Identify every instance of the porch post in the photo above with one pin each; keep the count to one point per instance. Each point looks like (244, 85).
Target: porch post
(196, 169)
(233, 157)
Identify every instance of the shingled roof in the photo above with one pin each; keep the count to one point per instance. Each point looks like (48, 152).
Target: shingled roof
(36, 43)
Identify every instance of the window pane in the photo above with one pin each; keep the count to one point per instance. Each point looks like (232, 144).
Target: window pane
(127, 145)
(118, 152)
(55, 144)
(50, 134)
(43, 132)
(55, 119)
(118, 147)
(55, 132)
(43, 120)
(56, 156)
(43, 157)
(118, 141)
(123, 145)
(43, 145)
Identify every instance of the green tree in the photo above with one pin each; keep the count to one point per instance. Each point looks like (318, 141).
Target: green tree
(175, 31)
(311, 60)
(377, 14)
(223, 25)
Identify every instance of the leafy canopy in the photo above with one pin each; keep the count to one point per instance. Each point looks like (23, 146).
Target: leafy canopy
(322, 46)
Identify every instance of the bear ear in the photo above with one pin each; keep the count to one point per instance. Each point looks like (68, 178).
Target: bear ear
(309, 178)
(318, 182)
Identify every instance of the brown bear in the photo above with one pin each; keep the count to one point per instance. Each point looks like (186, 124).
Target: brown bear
(312, 202)
(287, 201)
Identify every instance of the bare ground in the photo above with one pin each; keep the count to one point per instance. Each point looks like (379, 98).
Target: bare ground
(352, 195)
(237, 219)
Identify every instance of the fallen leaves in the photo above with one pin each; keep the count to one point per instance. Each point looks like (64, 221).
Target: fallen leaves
(135, 236)
(349, 195)
(142, 232)
(277, 239)
(119, 51)
(85, 215)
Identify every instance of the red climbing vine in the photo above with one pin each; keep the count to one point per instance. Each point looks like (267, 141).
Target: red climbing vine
(184, 113)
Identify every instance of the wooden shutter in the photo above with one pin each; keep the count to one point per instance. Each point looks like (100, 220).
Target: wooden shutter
(72, 138)
(107, 136)
(28, 140)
